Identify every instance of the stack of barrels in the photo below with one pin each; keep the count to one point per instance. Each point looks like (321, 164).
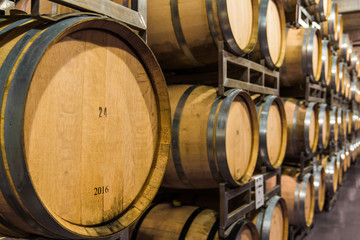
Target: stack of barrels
(99, 95)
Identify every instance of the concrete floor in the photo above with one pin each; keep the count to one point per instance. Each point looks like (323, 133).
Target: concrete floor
(343, 221)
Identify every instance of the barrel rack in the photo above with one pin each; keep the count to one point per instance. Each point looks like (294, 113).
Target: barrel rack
(256, 78)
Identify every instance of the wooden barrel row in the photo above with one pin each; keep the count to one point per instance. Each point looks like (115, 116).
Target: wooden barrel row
(64, 173)
(166, 222)
(244, 26)
(222, 139)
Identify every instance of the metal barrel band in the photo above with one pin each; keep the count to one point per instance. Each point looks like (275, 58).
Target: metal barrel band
(188, 223)
(268, 214)
(307, 122)
(175, 17)
(304, 52)
(309, 54)
(175, 136)
(227, 32)
(5, 72)
(317, 180)
(322, 113)
(294, 123)
(211, 21)
(221, 134)
(324, 57)
(302, 197)
(211, 151)
(334, 73)
(239, 226)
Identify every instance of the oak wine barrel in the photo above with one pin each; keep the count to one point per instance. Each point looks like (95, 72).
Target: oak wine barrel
(329, 28)
(85, 126)
(324, 125)
(332, 174)
(320, 187)
(338, 43)
(179, 43)
(272, 131)
(347, 155)
(166, 222)
(342, 124)
(344, 52)
(354, 60)
(271, 43)
(272, 220)
(334, 125)
(302, 127)
(334, 85)
(340, 166)
(349, 119)
(321, 11)
(326, 63)
(303, 57)
(299, 197)
(213, 139)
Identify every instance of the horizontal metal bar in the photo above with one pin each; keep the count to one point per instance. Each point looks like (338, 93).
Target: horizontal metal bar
(247, 63)
(317, 99)
(108, 8)
(232, 193)
(233, 83)
(239, 212)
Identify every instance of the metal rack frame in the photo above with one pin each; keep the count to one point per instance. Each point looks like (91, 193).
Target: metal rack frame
(135, 17)
(311, 92)
(254, 77)
(226, 194)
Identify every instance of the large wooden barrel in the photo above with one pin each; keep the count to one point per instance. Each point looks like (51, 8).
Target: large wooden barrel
(334, 125)
(347, 155)
(271, 43)
(321, 11)
(272, 220)
(179, 43)
(213, 139)
(335, 72)
(302, 127)
(303, 57)
(344, 52)
(272, 131)
(332, 174)
(324, 125)
(337, 44)
(329, 28)
(166, 222)
(85, 126)
(342, 124)
(340, 167)
(349, 123)
(342, 78)
(343, 159)
(320, 187)
(299, 198)
(326, 63)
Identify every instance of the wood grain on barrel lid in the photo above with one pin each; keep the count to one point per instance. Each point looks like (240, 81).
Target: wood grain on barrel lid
(274, 134)
(90, 127)
(326, 127)
(274, 31)
(241, 20)
(312, 129)
(277, 223)
(316, 55)
(309, 203)
(239, 138)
